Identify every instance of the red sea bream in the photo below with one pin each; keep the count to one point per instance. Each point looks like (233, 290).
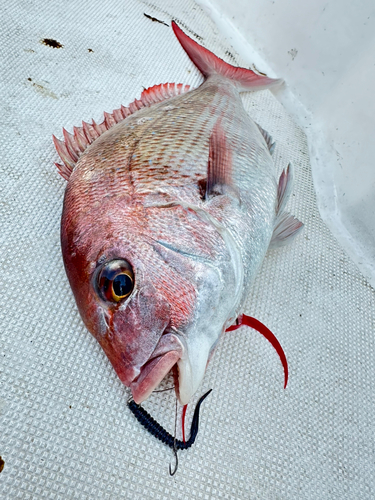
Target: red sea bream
(170, 207)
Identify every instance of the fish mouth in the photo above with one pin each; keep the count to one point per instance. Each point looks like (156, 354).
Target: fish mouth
(165, 356)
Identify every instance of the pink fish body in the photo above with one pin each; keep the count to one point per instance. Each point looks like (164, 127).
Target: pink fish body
(170, 207)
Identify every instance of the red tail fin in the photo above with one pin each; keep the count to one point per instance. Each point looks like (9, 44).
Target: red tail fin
(209, 64)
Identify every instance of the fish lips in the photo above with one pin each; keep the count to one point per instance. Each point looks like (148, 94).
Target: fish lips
(166, 354)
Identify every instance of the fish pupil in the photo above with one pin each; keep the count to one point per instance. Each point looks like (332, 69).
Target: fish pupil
(122, 285)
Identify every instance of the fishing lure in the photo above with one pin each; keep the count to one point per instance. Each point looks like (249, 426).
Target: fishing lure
(150, 424)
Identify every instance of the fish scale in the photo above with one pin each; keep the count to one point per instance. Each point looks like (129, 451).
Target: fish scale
(183, 152)
(168, 214)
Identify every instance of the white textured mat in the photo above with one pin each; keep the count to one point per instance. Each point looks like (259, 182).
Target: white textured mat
(65, 430)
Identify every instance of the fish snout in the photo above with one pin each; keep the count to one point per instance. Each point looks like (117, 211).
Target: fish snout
(139, 343)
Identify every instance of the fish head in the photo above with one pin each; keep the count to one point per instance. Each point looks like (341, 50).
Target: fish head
(155, 287)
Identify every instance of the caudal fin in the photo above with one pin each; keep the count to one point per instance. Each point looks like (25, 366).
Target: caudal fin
(209, 64)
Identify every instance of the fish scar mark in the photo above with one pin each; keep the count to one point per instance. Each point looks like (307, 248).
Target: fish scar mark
(154, 19)
(2, 463)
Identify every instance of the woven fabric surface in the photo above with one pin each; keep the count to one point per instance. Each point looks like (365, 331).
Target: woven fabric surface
(65, 430)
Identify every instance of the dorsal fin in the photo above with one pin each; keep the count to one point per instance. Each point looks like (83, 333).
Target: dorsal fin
(75, 144)
(268, 138)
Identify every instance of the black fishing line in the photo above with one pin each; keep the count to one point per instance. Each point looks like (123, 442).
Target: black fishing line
(154, 428)
(164, 390)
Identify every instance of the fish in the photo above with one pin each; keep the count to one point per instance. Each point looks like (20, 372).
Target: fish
(170, 207)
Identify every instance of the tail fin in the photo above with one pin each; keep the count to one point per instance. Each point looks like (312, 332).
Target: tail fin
(209, 64)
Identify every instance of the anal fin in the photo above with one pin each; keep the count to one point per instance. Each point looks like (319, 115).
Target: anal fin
(286, 229)
(284, 188)
(268, 138)
(286, 225)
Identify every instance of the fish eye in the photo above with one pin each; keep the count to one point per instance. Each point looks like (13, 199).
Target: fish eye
(115, 280)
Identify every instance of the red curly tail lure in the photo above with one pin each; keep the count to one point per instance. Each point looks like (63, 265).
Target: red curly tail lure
(259, 327)
(266, 332)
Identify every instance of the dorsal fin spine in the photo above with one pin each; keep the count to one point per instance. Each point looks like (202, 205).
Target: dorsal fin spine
(125, 111)
(117, 115)
(89, 132)
(64, 171)
(63, 152)
(109, 120)
(80, 138)
(71, 146)
(132, 107)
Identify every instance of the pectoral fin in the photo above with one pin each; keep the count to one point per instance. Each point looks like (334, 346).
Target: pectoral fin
(219, 169)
